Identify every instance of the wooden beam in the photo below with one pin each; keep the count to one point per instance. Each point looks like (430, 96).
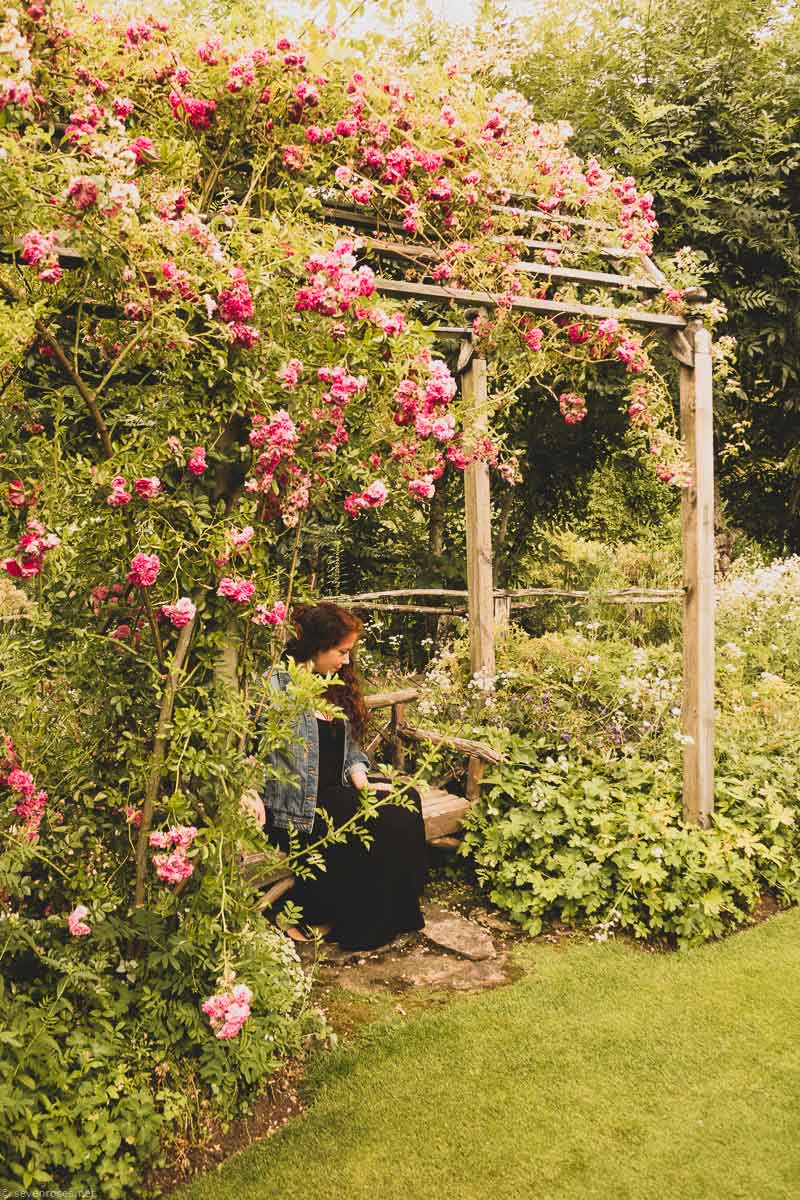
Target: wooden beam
(697, 706)
(377, 606)
(593, 277)
(427, 291)
(465, 745)
(415, 252)
(477, 502)
(388, 699)
(399, 592)
(536, 214)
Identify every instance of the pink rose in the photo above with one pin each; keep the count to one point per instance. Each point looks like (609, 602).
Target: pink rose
(83, 192)
(180, 613)
(228, 1011)
(241, 591)
(421, 489)
(77, 926)
(270, 616)
(241, 538)
(144, 570)
(119, 494)
(197, 463)
(147, 488)
(173, 868)
(376, 494)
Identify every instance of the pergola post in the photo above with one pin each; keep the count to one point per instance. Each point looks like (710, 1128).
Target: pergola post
(480, 603)
(697, 707)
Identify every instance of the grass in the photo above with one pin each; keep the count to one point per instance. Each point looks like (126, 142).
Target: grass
(605, 1072)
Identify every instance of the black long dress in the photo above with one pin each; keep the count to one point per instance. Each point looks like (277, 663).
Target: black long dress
(369, 894)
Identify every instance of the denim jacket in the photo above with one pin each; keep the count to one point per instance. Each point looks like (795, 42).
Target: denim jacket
(294, 801)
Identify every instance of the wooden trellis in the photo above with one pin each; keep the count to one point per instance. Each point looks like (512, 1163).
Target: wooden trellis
(690, 344)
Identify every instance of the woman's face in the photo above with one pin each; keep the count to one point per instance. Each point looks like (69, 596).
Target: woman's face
(328, 662)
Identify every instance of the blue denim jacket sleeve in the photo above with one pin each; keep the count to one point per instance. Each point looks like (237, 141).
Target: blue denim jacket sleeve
(290, 789)
(353, 755)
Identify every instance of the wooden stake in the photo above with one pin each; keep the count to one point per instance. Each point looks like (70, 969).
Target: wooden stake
(398, 750)
(698, 567)
(502, 613)
(479, 533)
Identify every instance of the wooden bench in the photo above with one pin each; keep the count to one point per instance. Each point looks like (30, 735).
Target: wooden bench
(442, 811)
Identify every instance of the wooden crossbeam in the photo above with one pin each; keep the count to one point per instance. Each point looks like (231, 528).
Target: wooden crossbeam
(389, 699)
(555, 218)
(426, 291)
(595, 277)
(428, 254)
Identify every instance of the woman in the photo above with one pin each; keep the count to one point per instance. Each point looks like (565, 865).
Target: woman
(365, 895)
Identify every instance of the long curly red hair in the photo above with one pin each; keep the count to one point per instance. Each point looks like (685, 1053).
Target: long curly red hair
(320, 627)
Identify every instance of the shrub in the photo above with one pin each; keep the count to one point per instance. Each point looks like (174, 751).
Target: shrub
(583, 821)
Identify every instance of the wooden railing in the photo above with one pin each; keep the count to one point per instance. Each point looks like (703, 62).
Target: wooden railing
(478, 753)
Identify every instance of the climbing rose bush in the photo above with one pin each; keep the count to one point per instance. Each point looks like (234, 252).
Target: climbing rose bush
(197, 368)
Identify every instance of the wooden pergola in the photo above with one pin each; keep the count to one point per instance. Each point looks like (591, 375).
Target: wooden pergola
(690, 343)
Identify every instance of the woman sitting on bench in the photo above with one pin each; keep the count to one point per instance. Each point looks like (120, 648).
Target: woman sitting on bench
(365, 896)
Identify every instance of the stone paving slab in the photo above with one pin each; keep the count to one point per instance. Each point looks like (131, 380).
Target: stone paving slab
(458, 935)
(421, 967)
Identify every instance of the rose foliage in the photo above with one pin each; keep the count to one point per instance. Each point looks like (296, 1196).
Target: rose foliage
(194, 368)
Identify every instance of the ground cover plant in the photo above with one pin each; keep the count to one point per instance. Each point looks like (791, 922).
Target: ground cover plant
(197, 379)
(584, 819)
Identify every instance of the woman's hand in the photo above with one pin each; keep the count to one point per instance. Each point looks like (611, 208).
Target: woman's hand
(253, 805)
(358, 777)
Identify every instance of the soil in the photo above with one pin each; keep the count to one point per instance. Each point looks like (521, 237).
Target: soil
(280, 1101)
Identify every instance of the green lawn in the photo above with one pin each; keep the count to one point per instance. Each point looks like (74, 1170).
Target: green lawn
(604, 1072)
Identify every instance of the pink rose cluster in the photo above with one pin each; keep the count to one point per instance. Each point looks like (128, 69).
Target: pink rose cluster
(628, 348)
(119, 494)
(637, 219)
(240, 591)
(39, 250)
(572, 407)
(146, 488)
(639, 406)
(174, 866)
(76, 923)
(228, 1011)
(533, 338)
(235, 307)
(278, 432)
(180, 613)
(83, 192)
(30, 801)
(289, 376)
(31, 549)
(417, 403)
(195, 111)
(422, 488)
(335, 284)
(374, 496)
(197, 461)
(264, 615)
(278, 436)
(144, 570)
